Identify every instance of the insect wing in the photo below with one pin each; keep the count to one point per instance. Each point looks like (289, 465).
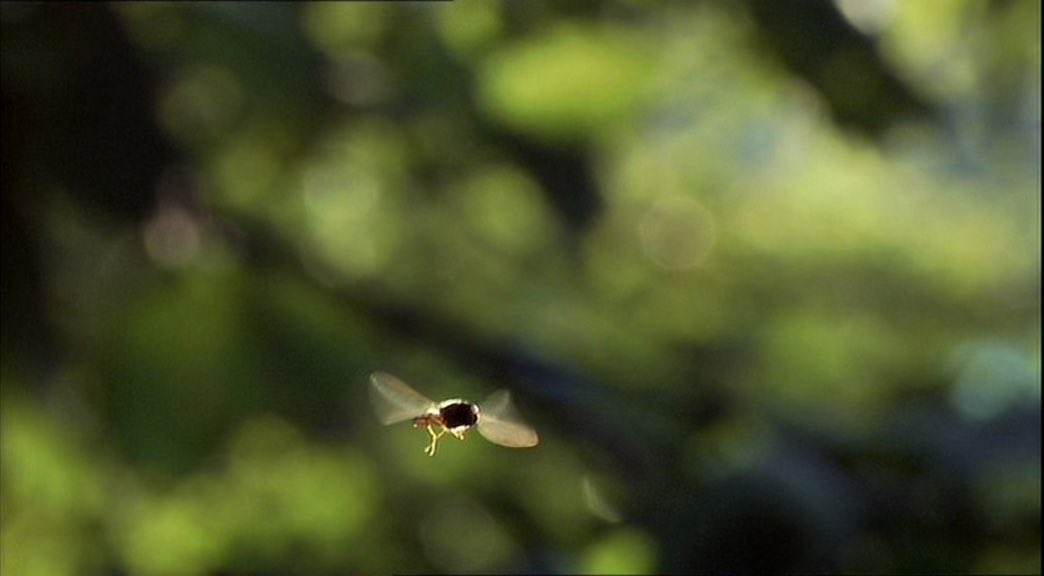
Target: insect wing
(499, 424)
(394, 401)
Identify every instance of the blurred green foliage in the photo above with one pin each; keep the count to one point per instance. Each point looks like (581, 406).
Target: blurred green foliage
(761, 322)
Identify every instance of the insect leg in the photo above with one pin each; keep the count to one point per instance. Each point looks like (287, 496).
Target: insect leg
(430, 450)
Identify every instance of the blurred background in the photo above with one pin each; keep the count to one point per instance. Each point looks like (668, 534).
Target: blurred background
(764, 275)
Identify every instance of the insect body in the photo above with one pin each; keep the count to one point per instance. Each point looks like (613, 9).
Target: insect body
(395, 401)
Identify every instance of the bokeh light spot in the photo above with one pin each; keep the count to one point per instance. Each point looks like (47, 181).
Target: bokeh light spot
(467, 27)
(625, 551)
(341, 29)
(677, 233)
(992, 378)
(461, 535)
(567, 84)
(201, 103)
(172, 237)
(506, 208)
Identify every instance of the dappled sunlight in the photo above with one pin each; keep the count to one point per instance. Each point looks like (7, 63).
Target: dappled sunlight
(52, 494)
(270, 496)
(341, 209)
(567, 84)
(350, 203)
(763, 320)
(840, 380)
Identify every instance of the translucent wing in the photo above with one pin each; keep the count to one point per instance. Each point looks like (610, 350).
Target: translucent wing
(394, 401)
(499, 424)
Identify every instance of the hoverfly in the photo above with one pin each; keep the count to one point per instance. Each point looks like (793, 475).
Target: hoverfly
(394, 401)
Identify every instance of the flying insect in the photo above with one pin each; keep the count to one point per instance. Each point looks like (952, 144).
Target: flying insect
(495, 419)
